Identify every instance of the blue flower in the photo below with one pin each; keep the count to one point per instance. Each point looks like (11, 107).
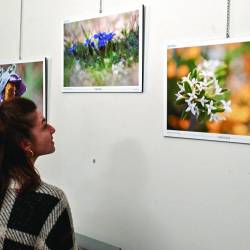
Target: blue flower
(103, 38)
(72, 49)
(88, 43)
(101, 43)
(96, 36)
(110, 36)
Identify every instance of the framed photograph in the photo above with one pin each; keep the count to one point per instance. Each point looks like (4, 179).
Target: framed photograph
(207, 91)
(104, 53)
(26, 79)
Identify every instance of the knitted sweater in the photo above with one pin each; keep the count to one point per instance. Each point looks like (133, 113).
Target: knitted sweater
(38, 220)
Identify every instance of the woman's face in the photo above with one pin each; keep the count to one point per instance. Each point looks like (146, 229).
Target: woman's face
(42, 143)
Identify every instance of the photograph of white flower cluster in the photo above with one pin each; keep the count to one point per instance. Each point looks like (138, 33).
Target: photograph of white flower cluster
(207, 91)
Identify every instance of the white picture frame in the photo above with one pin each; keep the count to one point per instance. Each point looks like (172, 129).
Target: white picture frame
(233, 59)
(82, 71)
(33, 73)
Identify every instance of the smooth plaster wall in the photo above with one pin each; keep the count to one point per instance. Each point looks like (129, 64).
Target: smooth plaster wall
(145, 192)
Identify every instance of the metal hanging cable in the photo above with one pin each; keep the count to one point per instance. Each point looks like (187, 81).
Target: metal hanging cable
(20, 30)
(228, 18)
(100, 9)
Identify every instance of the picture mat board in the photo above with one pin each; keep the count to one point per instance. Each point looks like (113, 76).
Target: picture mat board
(108, 88)
(226, 137)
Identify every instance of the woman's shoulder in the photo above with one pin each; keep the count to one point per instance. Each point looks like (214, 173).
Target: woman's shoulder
(51, 190)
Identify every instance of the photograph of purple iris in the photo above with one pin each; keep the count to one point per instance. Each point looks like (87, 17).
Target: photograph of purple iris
(11, 84)
(26, 79)
(104, 54)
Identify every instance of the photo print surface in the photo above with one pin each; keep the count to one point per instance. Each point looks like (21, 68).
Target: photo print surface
(208, 91)
(104, 54)
(26, 79)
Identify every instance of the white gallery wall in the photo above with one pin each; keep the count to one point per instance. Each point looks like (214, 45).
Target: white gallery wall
(127, 184)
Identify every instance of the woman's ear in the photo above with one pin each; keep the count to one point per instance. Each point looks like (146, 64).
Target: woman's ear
(25, 145)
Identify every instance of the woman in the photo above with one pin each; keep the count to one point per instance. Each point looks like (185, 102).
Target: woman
(33, 214)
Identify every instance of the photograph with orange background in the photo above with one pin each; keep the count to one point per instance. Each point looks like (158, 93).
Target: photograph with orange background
(208, 88)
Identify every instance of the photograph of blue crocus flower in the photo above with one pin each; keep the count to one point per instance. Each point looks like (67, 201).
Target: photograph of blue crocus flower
(208, 91)
(104, 53)
(25, 79)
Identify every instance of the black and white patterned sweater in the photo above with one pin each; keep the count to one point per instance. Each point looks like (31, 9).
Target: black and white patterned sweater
(39, 220)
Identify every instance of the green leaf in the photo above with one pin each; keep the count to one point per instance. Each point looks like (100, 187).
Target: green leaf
(220, 97)
(209, 98)
(184, 115)
(218, 110)
(202, 93)
(224, 90)
(180, 102)
(201, 116)
(199, 105)
(84, 32)
(194, 73)
(187, 87)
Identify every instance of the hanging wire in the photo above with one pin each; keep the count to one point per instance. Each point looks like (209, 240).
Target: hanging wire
(228, 19)
(100, 10)
(20, 30)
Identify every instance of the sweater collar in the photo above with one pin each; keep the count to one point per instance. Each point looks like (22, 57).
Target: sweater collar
(14, 185)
